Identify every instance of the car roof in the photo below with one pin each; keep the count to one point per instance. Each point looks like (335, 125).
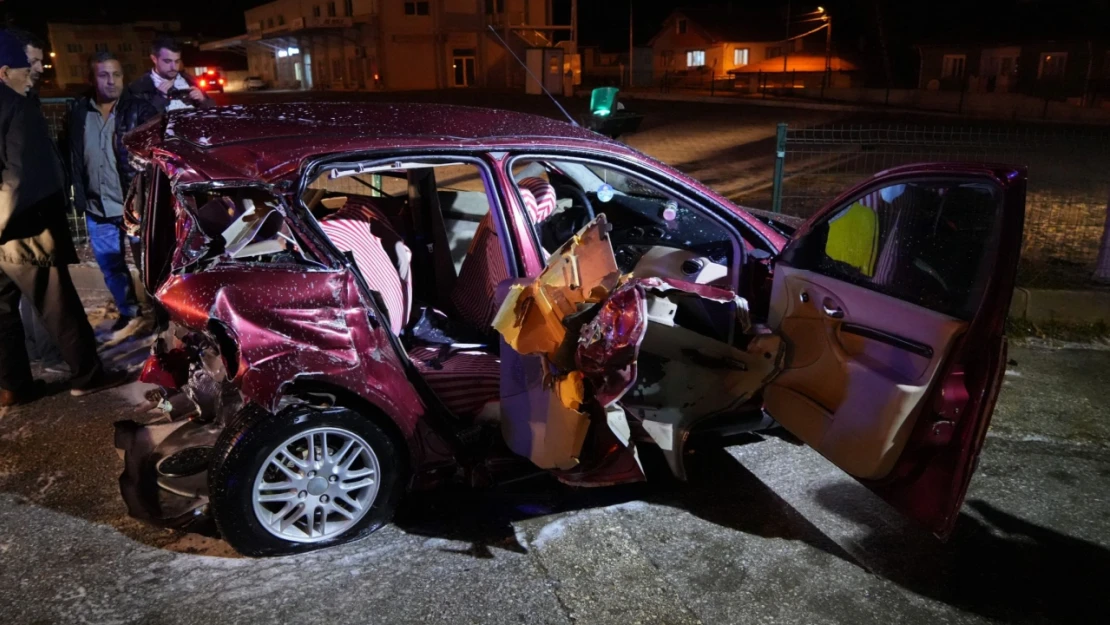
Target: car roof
(267, 141)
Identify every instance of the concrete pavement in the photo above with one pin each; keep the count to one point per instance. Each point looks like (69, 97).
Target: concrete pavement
(767, 532)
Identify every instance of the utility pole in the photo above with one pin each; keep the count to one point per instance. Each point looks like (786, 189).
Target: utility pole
(631, 47)
(786, 44)
(574, 24)
(828, 50)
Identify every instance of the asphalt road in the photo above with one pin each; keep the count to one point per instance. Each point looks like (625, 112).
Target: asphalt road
(768, 532)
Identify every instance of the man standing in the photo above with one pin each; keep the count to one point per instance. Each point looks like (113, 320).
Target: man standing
(35, 244)
(101, 173)
(166, 87)
(39, 345)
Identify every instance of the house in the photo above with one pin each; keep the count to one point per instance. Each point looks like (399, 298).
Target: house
(699, 43)
(397, 45)
(611, 68)
(1074, 69)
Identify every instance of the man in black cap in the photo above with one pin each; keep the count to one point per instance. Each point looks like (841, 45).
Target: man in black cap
(35, 244)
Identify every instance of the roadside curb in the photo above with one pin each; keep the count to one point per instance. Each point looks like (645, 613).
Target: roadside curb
(1040, 305)
(844, 107)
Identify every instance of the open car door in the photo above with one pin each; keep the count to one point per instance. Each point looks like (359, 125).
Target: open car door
(892, 301)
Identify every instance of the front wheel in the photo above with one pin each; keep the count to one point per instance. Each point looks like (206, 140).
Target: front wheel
(301, 480)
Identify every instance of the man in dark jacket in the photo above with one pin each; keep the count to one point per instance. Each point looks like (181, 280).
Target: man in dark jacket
(39, 345)
(100, 172)
(35, 244)
(166, 87)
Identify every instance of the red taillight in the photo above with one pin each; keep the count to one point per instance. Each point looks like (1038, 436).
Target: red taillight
(203, 83)
(221, 81)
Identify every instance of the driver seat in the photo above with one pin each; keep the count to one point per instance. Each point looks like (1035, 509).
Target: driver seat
(483, 268)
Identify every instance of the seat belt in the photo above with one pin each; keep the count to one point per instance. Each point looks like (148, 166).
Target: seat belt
(423, 196)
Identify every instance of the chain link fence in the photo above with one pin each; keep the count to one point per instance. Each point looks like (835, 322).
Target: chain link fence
(1068, 188)
(55, 111)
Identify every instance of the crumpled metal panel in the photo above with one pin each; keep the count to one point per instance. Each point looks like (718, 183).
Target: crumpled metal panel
(609, 345)
(582, 333)
(296, 324)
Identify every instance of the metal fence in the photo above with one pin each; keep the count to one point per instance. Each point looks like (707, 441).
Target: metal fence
(1068, 188)
(54, 109)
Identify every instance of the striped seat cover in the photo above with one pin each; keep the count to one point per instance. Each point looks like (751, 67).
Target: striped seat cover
(484, 267)
(358, 229)
(465, 383)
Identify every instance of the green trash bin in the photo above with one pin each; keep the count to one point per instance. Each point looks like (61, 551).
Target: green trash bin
(603, 101)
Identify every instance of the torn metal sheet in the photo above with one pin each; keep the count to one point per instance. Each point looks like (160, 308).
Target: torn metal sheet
(582, 272)
(686, 377)
(630, 354)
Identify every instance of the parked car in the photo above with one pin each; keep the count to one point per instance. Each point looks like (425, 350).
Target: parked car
(254, 83)
(368, 299)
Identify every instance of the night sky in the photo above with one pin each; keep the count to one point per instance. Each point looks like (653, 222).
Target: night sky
(856, 28)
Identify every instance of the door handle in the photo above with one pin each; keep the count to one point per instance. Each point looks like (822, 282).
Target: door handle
(831, 309)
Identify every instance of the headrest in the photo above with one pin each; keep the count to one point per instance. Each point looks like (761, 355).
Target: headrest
(539, 198)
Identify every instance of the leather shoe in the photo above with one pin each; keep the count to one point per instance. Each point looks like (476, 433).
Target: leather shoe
(25, 395)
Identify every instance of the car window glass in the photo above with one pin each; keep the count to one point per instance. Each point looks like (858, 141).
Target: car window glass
(925, 242)
(653, 233)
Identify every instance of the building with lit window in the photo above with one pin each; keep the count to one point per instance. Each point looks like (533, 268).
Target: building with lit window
(72, 45)
(394, 44)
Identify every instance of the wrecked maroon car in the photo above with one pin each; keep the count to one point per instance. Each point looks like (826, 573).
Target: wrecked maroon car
(362, 300)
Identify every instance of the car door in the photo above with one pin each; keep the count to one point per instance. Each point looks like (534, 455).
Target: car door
(892, 302)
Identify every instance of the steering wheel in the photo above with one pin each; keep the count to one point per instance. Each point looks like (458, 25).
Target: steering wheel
(560, 227)
(580, 196)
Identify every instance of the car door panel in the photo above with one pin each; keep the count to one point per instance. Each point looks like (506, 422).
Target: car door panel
(852, 397)
(892, 302)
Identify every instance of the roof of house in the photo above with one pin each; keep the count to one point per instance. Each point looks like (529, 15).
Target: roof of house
(723, 24)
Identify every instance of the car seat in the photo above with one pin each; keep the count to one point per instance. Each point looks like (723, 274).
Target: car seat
(474, 295)
(359, 229)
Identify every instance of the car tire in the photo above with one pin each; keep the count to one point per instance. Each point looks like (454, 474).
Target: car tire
(244, 457)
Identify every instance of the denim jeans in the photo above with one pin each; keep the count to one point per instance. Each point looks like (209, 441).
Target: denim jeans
(109, 244)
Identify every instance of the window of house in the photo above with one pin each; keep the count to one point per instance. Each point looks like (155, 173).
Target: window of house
(681, 27)
(695, 58)
(331, 9)
(75, 71)
(101, 47)
(129, 69)
(281, 20)
(1052, 65)
(73, 47)
(953, 65)
(740, 56)
(926, 242)
(418, 8)
(774, 52)
(269, 22)
(337, 69)
(349, 7)
(315, 10)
